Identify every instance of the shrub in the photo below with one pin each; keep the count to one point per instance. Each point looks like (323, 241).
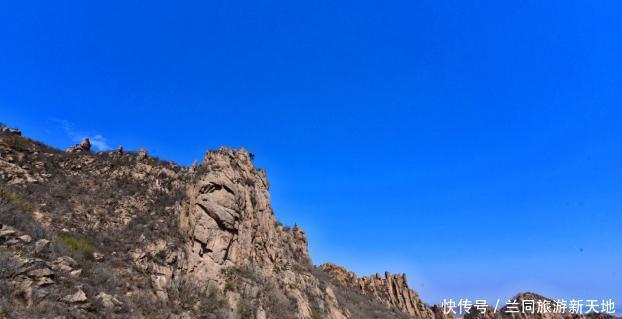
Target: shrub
(9, 215)
(149, 305)
(76, 247)
(101, 276)
(14, 199)
(184, 291)
(207, 303)
(246, 272)
(17, 142)
(315, 314)
(246, 309)
(8, 266)
(213, 304)
(230, 285)
(277, 304)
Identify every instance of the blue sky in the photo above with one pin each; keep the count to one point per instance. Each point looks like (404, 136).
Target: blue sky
(474, 145)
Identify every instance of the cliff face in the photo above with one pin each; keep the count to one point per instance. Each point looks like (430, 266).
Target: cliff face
(229, 224)
(229, 221)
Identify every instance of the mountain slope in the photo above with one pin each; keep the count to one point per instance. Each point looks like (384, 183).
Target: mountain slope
(126, 235)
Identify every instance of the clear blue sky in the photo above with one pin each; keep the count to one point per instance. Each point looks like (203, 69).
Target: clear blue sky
(475, 145)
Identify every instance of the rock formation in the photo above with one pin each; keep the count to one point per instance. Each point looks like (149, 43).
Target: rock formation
(84, 146)
(229, 224)
(142, 154)
(148, 238)
(10, 131)
(391, 290)
(124, 235)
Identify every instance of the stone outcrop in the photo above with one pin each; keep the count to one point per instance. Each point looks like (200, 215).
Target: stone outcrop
(142, 154)
(78, 296)
(392, 290)
(230, 224)
(229, 220)
(10, 131)
(84, 146)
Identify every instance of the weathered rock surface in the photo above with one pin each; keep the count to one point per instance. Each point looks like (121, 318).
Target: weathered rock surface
(78, 296)
(230, 225)
(84, 146)
(142, 154)
(391, 290)
(108, 301)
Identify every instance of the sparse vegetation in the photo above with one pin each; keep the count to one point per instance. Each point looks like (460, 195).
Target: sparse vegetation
(277, 304)
(149, 305)
(246, 272)
(213, 304)
(16, 142)
(76, 247)
(103, 277)
(8, 266)
(230, 285)
(315, 314)
(19, 218)
(14, 199)
(122, 207)
(205, 302)
(246, 309)
(184, 291)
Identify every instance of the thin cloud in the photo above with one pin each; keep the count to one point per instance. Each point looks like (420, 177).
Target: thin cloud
(97, 140)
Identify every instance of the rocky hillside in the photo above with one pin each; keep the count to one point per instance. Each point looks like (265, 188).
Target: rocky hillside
(126, 235)
(392, 291)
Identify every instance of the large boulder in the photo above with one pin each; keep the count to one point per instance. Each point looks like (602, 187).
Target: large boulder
(84, 146)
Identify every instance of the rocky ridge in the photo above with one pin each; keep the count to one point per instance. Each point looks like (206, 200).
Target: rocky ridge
(128, 235)
(392, 290)
(123, 234)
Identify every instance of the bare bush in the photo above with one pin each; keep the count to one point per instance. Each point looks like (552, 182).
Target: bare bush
(150, 306)
(213, 304)
(103, 277)
(22, 220)
(277, 304)
(184, 291)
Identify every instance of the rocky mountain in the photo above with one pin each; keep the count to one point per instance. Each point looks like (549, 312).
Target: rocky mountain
(125, 235)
